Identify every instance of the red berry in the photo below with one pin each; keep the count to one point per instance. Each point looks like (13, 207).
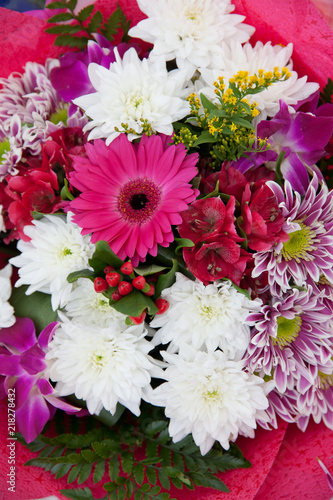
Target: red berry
(116, 295)
(125, 288)
(127, 268)
(139, 282)
(100, 285)
(151, 290)
(108, 269)
(162, 305)
(137, 320)
(113, 278)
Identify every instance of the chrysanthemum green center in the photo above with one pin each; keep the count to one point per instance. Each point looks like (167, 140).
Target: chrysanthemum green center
(299, 245)
(64, 252)
(139, 200)
(326, 380)
(60, 115)
(287, 331)
(4, 147)
(207, 312)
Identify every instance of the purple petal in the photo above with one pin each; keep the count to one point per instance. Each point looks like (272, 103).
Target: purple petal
(328, 474)
(47, 334)
(62, 405)
(23, 387)
(21, 336)
(10, 365)
(309, 135)
(295, 172)
(32, 360)
(72, 80)
(32, 416)
(44, 386)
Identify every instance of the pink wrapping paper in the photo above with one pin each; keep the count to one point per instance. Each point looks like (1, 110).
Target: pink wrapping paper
(284, 465)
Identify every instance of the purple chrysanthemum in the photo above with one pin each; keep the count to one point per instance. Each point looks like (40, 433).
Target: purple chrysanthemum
(290, 333)
(309, 250)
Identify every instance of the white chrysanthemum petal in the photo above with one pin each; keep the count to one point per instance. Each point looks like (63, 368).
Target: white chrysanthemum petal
(7, 317)
(102, 366)
(247, 58)
(205, 317)
(56, 249)
(191, 31)
(131, 91)
(84, 305)
(211, 397)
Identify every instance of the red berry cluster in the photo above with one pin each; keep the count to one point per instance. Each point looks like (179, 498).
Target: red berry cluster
(115, 279)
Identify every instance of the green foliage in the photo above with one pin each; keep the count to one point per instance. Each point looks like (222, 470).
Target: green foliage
(327, 94)
(86, 22)
(109, 456)
(36, 306)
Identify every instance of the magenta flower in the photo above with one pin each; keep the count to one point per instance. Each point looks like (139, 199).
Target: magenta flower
(71, 78)
(303, 137)
(132, 194)
(309, 250)
(23, 366)
(328, 474)
(289, 334)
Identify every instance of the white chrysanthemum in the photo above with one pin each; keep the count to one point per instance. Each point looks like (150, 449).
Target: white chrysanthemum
(56, 249)
(210, 396)
(130, 92)
(190, 31)
(7, 317)
(102, 366)
(84, 306)
(247, 58)
(207, 317)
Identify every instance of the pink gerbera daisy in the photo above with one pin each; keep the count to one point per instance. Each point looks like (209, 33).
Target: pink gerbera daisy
(131, 194)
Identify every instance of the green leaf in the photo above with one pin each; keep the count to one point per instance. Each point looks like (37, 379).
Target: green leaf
(134, 303)
(78, 494)
(104, 253)
(36, 306)
(129, 489)
(183, 243)
(85, 13)
(113, 469)
(107, 448)
(127, 461)
(74, 473)
(84, 273)
(65, 192)
(56, 5)
(278, 173)
(95, 22)
(163, 478)
(245, 106)
(154, 427)
(209, 481)
(63, 470)
(204, 138)
(99, 472)
(113, 23)
(207, 104)
(64, 28)
(178, 462)
(110, 487)
(166, 280)
(151, 475)
(59, 18)
(121, 493)
(237, 120)
(71, 4)
(71, 41)
(90, 456)
(149, 269)
(108, 419)
(138, 473)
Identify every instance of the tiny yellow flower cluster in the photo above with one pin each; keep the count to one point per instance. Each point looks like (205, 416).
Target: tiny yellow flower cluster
(146, 128)
(185, 136)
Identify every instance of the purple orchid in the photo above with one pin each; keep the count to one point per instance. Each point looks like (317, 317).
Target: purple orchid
(71, 78)
(303, 137)
(23, 369)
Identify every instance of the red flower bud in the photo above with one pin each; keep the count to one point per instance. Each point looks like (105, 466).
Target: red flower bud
(125, 288)
(100, 285)
(151, 290)
(113, 278)
(127, 268)
(137, 320)
(162, 305)
(139, 282)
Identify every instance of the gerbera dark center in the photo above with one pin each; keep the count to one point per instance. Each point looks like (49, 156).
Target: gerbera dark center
(138, 200)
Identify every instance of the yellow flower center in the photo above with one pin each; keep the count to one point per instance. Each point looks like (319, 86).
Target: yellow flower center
(287, 331)
(326, 380)
(299, 245)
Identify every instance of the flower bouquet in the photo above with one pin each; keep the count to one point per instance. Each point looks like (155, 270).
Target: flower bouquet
(165, 199)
